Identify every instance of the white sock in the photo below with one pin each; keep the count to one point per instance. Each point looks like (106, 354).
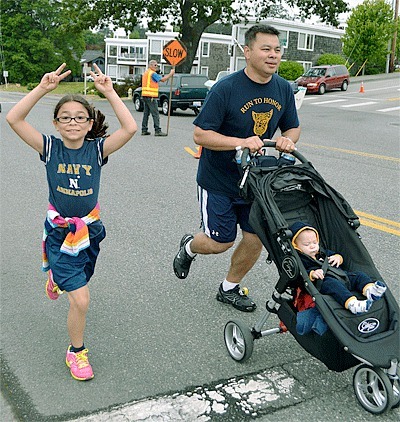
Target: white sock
(188, 250)
(227, 285)
(359, 306)
(375, 291)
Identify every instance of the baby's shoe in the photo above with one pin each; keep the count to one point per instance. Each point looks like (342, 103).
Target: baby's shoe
(375, 291)
(359, 306)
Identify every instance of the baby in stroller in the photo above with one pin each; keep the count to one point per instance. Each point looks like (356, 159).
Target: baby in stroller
(323, 267)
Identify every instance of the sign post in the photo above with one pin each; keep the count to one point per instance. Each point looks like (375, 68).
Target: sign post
(5, 76)
(86, 71)
(174, 53)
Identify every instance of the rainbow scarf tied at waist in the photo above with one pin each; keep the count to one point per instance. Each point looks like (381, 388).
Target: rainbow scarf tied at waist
(78, 237)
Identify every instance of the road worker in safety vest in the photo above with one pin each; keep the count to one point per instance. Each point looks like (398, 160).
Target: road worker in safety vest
(150, 80)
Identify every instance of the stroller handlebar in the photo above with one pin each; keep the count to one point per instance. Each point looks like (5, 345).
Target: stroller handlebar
(269, 144)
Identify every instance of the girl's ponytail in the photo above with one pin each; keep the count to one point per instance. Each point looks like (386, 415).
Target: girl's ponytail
(99, 128)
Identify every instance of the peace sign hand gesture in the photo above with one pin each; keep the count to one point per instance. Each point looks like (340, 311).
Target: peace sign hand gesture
(51, 80)
(102, 82)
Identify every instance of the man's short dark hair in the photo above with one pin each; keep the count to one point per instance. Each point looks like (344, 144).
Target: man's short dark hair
(251, 33)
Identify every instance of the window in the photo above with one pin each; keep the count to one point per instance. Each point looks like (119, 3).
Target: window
(112, 71)
(204, 70)
(155, 47)
(240, 35)
(305, 42)
(112, 50)
(284, 38)
(137, 52)
(240, 63)
(205, 49)
(306, 65)
(124, 72)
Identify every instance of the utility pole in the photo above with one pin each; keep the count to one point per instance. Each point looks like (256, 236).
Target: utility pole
(393, 51)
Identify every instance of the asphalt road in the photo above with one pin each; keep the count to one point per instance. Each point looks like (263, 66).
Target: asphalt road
(156, 342)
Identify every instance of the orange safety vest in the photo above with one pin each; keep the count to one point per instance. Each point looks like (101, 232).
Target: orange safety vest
(149, 87)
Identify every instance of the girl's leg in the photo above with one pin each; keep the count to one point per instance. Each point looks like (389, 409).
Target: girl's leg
(78, 307)
(77, 361)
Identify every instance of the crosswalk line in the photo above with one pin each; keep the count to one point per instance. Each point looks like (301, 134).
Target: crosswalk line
(358, 104)
(328, 102)
(385, 110)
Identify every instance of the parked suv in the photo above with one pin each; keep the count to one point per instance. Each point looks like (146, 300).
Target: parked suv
(188, 91)
(319, 79)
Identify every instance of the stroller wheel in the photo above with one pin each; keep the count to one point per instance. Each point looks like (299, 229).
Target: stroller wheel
(373, 389)
(238, 340)
(396, 389)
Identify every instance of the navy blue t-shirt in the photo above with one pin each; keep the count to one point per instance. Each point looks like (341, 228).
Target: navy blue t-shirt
(73, 175)
(237, 106)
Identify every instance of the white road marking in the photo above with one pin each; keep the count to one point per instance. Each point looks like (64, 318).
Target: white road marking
(359, 104)
(385, 110)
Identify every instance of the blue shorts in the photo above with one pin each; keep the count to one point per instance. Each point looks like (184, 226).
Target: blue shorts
(73, 272)
(221, 214)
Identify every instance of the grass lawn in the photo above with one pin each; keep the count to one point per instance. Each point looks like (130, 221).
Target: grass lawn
(62, 89)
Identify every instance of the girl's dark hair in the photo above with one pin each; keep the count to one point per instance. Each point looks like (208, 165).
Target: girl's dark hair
(99, 128)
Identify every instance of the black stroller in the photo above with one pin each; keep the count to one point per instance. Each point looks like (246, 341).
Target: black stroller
(280, 196)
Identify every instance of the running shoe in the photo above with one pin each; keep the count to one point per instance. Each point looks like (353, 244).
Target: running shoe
(182, 260)
(52, 290)
(237, 298)
(79, 365)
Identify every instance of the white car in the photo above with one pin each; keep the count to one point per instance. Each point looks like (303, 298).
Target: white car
(220, 75)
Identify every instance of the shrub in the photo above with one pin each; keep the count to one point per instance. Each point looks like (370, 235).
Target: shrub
(31, 85)
(290, 70)
(330, 59)
(122, 88)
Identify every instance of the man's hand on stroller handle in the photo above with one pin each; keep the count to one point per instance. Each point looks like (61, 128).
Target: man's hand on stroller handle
(285, 144)
(254, 144)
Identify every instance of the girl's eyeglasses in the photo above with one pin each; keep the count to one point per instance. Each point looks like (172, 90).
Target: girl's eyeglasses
(78, 119)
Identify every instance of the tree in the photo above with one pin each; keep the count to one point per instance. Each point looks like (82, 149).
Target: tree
(191, 17)
(369, 30)
(37, 36)
(95, 40)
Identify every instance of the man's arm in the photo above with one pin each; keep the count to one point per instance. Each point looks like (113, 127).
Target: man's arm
(170, 74)
(217, 142)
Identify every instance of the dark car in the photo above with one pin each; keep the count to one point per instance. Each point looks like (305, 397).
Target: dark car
(188, 91)
(319, 79)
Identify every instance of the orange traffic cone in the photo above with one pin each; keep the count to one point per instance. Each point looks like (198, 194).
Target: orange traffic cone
(362, 88)
(197, 155)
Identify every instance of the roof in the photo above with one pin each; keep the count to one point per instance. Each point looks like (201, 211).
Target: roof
(90, 55)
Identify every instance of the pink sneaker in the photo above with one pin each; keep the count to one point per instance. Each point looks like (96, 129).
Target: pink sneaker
(79, 365)
(52, 290)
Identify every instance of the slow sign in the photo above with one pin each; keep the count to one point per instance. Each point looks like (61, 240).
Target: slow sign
(174, 52)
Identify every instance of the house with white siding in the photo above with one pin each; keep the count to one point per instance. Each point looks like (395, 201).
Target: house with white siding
(302, 42)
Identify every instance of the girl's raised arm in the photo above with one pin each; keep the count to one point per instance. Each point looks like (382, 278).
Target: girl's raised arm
(128, 124)
(17, 115)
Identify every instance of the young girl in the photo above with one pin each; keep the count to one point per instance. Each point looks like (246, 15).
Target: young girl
(73, 229)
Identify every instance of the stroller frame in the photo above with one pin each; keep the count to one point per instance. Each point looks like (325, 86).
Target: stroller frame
(273, 192)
